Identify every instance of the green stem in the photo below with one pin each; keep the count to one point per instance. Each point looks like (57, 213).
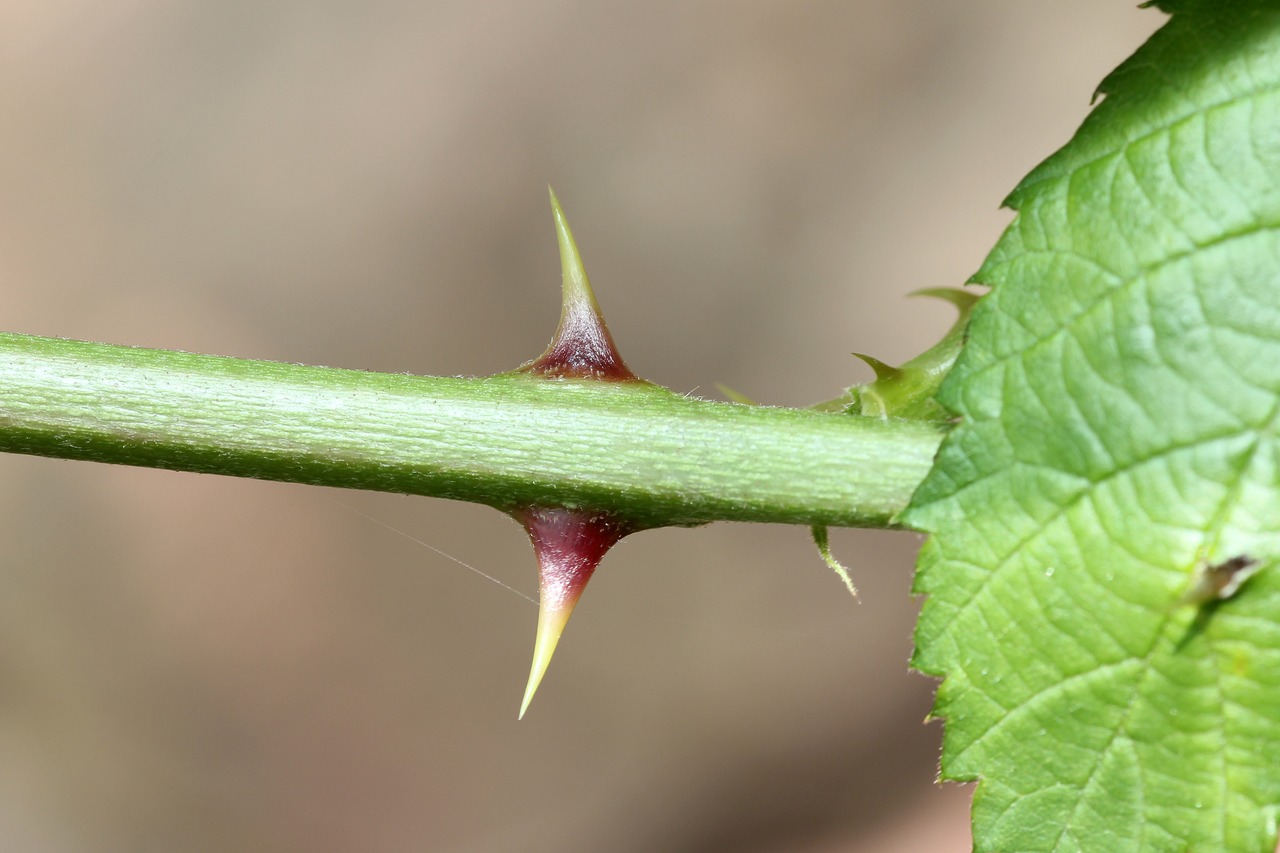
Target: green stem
(507, 441)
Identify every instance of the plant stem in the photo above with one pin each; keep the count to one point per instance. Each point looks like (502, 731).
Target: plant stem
(508, 441)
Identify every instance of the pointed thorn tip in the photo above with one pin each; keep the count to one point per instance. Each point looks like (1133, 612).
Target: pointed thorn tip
(582, 347)
(569, 545)
(882, 370)
(551, 622)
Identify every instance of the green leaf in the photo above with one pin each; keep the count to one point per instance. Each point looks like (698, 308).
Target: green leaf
(1117, 469)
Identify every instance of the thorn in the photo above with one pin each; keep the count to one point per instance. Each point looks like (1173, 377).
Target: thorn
(734, 396)
(569, 545)
(883, 371)
(821, 539)
(910, 391)
(582, 347)
(962, 299)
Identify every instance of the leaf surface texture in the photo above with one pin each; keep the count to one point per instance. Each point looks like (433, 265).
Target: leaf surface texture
(1119, 396)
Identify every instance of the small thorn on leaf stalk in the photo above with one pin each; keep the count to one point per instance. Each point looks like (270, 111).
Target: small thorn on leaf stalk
(570, 542)
(909, 391)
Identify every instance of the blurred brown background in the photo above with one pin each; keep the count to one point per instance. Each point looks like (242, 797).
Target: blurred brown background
(198, 663)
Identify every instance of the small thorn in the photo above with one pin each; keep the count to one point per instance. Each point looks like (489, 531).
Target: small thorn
(735, 396)
(910, 390)
(569, 545)
(823, 542)
(964, 300)
(582, 347)
(883, 371)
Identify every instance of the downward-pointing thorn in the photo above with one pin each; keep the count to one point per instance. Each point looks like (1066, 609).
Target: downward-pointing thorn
(551, 624)
(569, 545)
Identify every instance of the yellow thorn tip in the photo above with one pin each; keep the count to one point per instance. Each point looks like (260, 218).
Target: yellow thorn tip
(551, 622)
(576, 286)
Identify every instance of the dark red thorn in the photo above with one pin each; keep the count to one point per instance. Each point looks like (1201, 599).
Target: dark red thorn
(569, 545)
(582, 347)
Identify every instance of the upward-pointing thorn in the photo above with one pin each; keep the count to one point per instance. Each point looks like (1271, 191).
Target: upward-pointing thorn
(582, 347)
(569, 545)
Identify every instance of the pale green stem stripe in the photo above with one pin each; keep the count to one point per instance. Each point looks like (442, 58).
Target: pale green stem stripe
(506, 441)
